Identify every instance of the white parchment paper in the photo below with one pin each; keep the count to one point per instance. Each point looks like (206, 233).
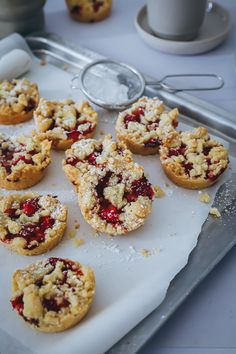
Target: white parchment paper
(129, 286)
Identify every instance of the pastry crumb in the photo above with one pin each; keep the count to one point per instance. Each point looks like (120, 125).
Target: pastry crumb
(43, 62)
(71, 234)
(77, 226)
(78, 242)
(65, 67)
(145, 252)
(158, 192)
(204, 197)
(215, 212)
(102, 132)
(166, 185)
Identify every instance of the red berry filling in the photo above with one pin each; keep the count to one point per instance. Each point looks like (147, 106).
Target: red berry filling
(206, 150)
(92, 157)
(32, 232)
(140, 187)
(103, 184)
(133, 117)
(97, 5)
(68, 265)
(8, 160)
(177, 151)
(76, 134)
(152, 143)
(109, 212)
(18, 304)
(55, 304)
(188, 167)
(30, 206)
(72, 160)
(11, 212)
(31, 105)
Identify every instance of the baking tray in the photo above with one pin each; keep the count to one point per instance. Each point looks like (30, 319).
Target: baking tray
(211, 246)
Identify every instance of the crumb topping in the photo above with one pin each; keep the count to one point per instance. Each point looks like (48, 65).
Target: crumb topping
(194, 154)
(20, 152)
(65, 120)
(215, 212)
(19, 95)
(50, 290)
(147, 122)
(30, 219)
(114, 189)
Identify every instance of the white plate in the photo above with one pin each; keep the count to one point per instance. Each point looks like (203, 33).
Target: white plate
(214, 30)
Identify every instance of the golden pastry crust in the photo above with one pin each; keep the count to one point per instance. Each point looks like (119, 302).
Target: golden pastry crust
(18, 99)
(89, 10)
(114, 195)
(64, 122)
(30, 223)
(23, 161)
(53, 294)
(146, 125)
(192, 159)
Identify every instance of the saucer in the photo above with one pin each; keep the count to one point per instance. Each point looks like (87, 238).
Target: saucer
(214, 30)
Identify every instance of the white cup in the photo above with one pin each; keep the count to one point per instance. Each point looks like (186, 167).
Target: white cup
(176, 19)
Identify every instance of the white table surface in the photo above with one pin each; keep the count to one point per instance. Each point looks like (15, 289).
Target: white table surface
(206, 322)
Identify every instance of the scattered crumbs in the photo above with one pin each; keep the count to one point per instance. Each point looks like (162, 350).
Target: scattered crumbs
(65, 67)
(95, 233)
(77, 226)
(102, 132)
(166, 185)
(42, 62)
(71, 234)
(78, 242)
(145, 252)
(204, 197)
(158, 192)
(132, 249)
(215, 212)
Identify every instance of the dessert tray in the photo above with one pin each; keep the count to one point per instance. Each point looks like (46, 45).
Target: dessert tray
(152, 270)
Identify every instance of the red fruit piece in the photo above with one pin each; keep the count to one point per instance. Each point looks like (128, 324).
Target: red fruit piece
(92, 157)
(46, 222)
(74, 135)
(152, 143)
(68, 265)
(134, 117)
(177, 151)
(206, 150)
(22, 158)
(18, 304)
(11, 212)
(140, 187)
(102, 184)
(30, 206)
(55, 304)
(109, 213)
(188, 167)
(72, 160)
(97, 5)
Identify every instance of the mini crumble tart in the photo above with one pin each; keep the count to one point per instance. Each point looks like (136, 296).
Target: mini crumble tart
(113, 193)
(89, 10)
(23, 161)
(192, 159)
(18, 99)
(64, 122)
(145, 125)
(30, 223)
(53, 294)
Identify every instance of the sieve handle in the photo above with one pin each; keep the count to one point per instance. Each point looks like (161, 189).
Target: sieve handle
(164, 85)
